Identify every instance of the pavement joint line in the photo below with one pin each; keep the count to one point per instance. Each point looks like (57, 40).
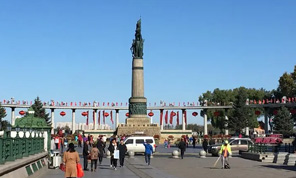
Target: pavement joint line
(136, 171)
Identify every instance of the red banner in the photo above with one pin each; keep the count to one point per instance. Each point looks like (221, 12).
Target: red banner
(104, 117)
(171, 117)
(161, 114)
(87, 118)
(177, 117)
(99, 118)
(166, 117)
(111, 117)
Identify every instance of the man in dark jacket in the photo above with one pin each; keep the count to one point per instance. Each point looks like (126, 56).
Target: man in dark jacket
(85, 155)
(182, 147)
(193, 141)
(101, 147)
(122, 150)
(205, 145)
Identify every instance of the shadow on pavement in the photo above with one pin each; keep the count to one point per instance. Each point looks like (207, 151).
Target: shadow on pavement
(289, 168)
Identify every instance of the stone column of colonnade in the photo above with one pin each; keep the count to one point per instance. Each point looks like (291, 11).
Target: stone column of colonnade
(95, 122)
(73, 121)
(116, 118)
(183, 120)
(266, 120)
(161, 119)
(226, 130)
(205, 122)
(12, 116)
(226, 125)
(52, 121)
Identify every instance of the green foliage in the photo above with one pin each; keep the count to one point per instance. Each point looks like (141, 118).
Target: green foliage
(239, 117)
(39, 111)
(283, 122)
(3, 115)
(287, 85)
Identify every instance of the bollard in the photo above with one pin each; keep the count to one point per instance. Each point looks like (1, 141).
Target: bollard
(202, 154)
(108, 154)
(131, 154)
(175, 154)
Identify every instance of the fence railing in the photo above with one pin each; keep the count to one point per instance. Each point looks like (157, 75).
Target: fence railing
(30, 143)
(265, 148)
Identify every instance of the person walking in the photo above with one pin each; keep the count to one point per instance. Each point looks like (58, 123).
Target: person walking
(193, 141)
(101, 147)
(122, 150)
(56, 141)
(148, 152)
(85, 155)
(225, 152)
(112, 148)
(71, 158)
(94, 153)
(62, 144)
(182, 147)
(205, 145)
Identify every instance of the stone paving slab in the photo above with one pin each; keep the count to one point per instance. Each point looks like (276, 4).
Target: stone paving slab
(197, 167)
(133, 168)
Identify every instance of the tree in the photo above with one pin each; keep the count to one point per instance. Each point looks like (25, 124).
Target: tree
(287, 85)
(283, 122)
(2, 115)
(240, 118)
(40, 111)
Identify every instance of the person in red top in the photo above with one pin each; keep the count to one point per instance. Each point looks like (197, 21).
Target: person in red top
(79, 140)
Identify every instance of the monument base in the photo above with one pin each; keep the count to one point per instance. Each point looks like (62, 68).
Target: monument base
(138, 129)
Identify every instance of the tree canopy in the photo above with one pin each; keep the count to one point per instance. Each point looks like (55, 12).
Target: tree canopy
(40, 111)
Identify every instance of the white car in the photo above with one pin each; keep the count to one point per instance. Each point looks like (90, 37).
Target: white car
(135, 143)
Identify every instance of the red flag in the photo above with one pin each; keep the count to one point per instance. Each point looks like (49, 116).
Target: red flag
(161, 114)
(166, 117)
(103, 104)
(104, 117)
(87, 118)
(111, 117)
(99, 118)
(171, 117)
(177, 117)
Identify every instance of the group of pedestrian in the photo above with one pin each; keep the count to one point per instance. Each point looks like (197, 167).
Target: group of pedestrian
(93, 152)
(117, 151)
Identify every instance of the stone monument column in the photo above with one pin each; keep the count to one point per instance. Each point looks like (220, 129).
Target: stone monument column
(138, 122)
(137, 102)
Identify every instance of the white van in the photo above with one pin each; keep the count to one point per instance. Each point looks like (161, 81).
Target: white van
(135, 143)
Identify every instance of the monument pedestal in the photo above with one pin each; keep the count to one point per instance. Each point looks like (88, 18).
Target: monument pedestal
(138, 129)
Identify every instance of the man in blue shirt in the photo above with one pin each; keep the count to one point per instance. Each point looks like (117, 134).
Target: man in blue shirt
(148, 152)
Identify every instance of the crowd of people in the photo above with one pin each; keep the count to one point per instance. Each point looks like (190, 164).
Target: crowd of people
(94, 149)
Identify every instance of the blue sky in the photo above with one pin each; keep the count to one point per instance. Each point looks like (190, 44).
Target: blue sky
(79, 50)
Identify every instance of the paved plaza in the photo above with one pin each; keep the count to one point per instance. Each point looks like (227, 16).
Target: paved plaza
(162, 165)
